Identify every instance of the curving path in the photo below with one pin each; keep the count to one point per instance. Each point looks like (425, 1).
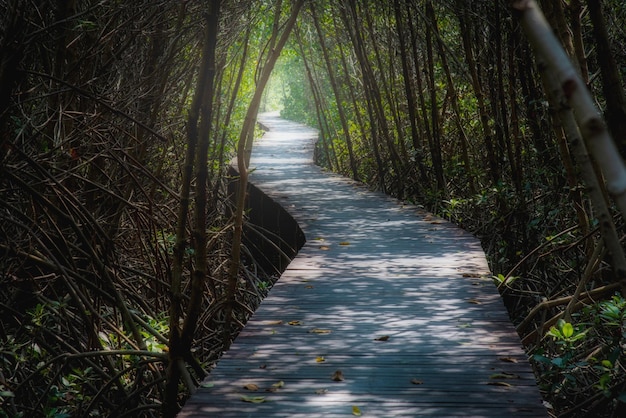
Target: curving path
(394, 301)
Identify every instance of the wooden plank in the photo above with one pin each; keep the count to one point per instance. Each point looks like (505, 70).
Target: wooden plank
(371, 267)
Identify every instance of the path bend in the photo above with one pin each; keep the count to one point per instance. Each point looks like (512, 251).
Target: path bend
(396, 301)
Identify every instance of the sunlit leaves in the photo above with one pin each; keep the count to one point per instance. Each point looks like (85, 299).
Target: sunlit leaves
(567, 330)
(500, 279)
(565, 333)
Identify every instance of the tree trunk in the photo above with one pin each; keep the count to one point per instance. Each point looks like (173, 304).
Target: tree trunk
(615, 112)
(567, 84)
(244, 150)
(434, 111)
(409, 93)
(180, 338)
(483, 113)
(334, 85)
(463, 141)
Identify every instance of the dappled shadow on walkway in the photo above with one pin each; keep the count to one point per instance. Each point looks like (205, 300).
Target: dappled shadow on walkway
(397, 300)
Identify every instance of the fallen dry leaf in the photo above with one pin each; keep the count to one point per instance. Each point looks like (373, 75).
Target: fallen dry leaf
(504, 384)
(295, 323)
(417, 381)
(276, 322)
(308, 287)
(319, 331)
(383, 338)
(344, 243)
(324, 248)
(251, 387)
(253, 399)
(474, 302)
(338, 376)
(356, 411)
(504, 375)
(320, 359)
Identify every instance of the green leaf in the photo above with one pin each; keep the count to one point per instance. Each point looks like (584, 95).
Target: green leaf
(579, 336)
(567, 330)
(542, 359)
(555, 333)
(558, 362)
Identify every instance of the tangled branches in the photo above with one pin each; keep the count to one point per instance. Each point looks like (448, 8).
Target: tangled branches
(91, 136)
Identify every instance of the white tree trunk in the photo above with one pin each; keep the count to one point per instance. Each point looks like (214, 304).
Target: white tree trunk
(588, 118)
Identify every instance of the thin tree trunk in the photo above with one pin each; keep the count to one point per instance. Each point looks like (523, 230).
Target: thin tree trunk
(434, 112)
(229, 110)
(357, 44)
(426, 123)
(463, 16)
(351, 91)
(244, 150)
(516, 168)
(377, 115)
(409, 93)
(180, 337)
(322, 119)
(199, 237)
(611, 81)
(463, 140)
(577, 38)
(334, 85)
(387, 91)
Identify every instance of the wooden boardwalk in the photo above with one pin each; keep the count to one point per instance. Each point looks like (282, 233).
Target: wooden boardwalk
(396, 302)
